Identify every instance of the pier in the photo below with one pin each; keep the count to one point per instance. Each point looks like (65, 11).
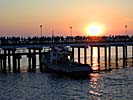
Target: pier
(10, 56)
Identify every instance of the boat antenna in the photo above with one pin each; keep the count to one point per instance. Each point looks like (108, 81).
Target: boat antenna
(53, 37)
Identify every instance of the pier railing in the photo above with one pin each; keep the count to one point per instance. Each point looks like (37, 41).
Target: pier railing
(62, 40)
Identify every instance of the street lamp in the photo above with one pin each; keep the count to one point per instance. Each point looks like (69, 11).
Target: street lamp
(40, 30)
(126, 29)
(71, 30)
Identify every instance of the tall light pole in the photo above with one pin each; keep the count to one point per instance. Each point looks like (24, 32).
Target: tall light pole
(126, 29)
(40, 30)
(71, 30)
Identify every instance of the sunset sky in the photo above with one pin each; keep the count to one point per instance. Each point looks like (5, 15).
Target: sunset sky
(23, 17)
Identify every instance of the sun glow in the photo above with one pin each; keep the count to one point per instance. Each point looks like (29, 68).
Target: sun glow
(95, 29)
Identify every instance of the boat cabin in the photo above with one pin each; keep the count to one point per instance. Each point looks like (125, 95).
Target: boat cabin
(59, 56)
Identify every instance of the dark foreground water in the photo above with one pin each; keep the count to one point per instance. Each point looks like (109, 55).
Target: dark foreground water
(115, 85)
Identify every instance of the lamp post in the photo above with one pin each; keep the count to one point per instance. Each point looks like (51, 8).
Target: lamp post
(126, 29)
(71, 30)
(40, 30)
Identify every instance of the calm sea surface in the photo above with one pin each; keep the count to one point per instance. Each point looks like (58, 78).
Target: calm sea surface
(114, 85)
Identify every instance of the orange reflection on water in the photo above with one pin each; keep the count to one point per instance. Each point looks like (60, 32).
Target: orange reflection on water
(94, 90)
(94, 77)
(95, 93)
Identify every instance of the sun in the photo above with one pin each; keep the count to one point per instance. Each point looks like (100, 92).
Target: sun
(94, 29)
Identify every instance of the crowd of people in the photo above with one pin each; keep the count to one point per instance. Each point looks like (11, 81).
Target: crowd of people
(62, 39)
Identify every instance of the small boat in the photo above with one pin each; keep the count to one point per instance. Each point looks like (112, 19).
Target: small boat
(60, 60)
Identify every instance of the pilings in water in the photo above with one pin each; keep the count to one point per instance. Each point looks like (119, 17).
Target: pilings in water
(132, 55)
(109, 56)
(91, 55)
(14, 61)
(105, 57)
(1, 63)
(40, 61)
(109, 62)
(124, 56)
(10, 58)
(85, 55)
(98, 59)
(78, 54)
(32, 59)
(5, 61)
(116, 56)
(18, 62)
(29, 60)
(72, 56)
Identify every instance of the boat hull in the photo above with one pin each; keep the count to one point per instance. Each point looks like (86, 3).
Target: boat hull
(70, 72)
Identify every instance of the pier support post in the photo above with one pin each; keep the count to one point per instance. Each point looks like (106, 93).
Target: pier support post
(40, 62)
(109, 59)
(14, 61)
(132, 55)
(78, 54)
(29, 60)
(18, 63)
(98, 49)
(9, 61)
(123, 56)
(4, 61)
(132, 51)
(0, 64)
(72, 56)
(105, 57)
(34, 61)
(126, 54)
(91, 55)
(85, 55)
(116, 49)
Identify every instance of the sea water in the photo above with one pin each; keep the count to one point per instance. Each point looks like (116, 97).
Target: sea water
(114, 85)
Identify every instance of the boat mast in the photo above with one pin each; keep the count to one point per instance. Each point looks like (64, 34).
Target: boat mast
(52, 37)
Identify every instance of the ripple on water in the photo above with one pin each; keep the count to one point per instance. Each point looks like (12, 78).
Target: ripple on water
(116, 85)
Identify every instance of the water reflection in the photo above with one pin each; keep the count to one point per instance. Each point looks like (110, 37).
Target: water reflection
(95, 87)
(94, 80)
(95, 59)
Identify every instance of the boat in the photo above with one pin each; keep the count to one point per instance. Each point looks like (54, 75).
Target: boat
(60, 61)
